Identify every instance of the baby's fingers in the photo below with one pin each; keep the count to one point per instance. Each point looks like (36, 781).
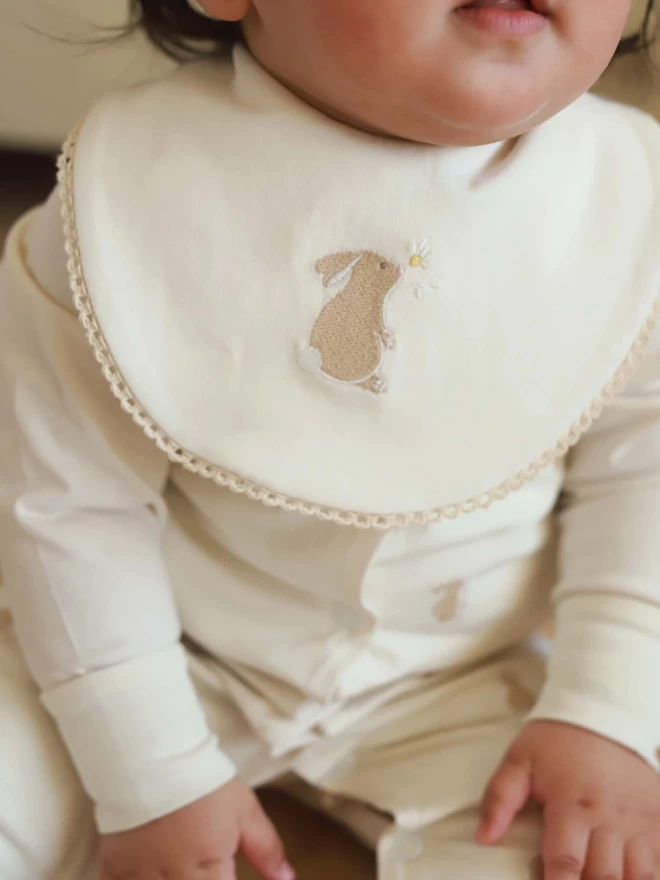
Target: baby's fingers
(606, 855)
(639, 860)
(506, 795)
(262, 847)
(223, 870)
(565, 846)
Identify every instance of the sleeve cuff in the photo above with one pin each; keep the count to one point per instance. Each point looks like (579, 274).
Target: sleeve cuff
(139, 739)
(602, 674)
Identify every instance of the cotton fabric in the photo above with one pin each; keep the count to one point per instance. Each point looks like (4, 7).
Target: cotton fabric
(309, 628)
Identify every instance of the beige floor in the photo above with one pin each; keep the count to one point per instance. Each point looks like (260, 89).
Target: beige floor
(317, 848)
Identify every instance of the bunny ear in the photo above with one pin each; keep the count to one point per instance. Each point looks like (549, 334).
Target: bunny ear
(336, 268)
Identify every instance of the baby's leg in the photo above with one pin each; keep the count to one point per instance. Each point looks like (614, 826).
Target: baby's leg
(447, 849)
(410, 779)
(442, 849)
(46, 826)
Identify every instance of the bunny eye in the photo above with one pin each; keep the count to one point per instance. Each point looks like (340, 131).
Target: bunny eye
(383, 265)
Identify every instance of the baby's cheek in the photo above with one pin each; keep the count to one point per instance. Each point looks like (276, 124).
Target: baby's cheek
(350, 21)
(593, 29)
(363, 33)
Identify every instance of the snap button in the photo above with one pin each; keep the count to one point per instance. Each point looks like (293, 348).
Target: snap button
(407, 846)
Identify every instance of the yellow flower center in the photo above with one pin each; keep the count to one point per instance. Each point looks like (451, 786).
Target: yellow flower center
(415, 261)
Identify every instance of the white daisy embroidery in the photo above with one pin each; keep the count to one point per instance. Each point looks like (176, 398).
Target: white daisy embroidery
(421, 259)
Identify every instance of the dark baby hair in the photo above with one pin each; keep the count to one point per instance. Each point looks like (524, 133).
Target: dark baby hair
(180, 32)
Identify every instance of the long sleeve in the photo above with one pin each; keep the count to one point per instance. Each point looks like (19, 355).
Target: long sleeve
(81, 523)
(605, 665)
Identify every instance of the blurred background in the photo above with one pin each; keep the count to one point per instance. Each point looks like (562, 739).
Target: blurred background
(58, 56)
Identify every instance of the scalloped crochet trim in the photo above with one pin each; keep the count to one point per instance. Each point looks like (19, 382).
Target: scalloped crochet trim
(241, 486)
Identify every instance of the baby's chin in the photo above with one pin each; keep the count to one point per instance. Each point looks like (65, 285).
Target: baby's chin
(474, 125)
(441, 125)
(444, 106)
(469, 97)
(490, 128)
(471, 117)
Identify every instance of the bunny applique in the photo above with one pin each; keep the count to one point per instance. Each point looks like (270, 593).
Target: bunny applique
(350, 336)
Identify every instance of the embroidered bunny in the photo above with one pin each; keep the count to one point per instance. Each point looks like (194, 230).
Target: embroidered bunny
(350, 336)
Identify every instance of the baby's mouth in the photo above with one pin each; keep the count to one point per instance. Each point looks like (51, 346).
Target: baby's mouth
(513, 5)
(506, 5)
(508, 19)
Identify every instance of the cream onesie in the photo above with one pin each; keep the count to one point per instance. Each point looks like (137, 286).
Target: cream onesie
(337, 419)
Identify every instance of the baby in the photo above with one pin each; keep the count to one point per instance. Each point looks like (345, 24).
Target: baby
(338, 372)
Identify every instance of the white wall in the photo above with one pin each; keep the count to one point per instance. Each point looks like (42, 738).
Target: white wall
(51, 70)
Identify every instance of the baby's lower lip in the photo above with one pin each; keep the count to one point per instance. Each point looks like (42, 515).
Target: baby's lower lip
(503, 19)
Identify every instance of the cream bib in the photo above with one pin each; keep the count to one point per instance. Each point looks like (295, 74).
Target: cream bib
(374, 332)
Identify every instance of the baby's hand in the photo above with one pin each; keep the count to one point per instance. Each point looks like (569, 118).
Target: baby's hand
(601, 803)
(199, 842)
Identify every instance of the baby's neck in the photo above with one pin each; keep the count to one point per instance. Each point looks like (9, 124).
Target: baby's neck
(352, 122)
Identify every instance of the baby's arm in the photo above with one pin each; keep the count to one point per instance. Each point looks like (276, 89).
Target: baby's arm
(591, 751)
(604, 670)
(81, 529)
